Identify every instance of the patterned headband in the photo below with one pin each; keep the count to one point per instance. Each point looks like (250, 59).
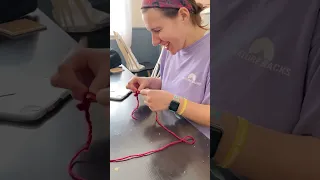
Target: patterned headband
(167, 4)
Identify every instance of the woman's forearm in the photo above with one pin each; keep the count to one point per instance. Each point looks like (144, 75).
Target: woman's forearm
(268, 154)
(198, 113)
(155, 83)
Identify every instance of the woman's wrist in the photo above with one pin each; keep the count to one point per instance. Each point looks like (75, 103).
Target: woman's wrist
(198, 113)
(228, 122)
(154, 83)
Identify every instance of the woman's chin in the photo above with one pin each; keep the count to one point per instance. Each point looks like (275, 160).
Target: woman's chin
(172, 52)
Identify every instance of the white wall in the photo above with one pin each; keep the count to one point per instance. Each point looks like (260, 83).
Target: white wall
(204, 2)
(136, 14)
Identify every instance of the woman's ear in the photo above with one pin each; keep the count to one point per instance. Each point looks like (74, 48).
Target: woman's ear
(184, 14)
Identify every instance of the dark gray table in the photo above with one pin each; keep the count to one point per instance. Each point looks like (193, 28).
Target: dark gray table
(128, 136)
(42, 151)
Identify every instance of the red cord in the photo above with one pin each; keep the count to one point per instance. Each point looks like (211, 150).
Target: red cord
(187, 139)
(85, 105)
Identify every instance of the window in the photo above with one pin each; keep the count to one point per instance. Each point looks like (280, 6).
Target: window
(121, 19)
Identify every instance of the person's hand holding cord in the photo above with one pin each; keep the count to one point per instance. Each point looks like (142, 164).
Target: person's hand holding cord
(159, 100)
(85, 70)
(139, 83)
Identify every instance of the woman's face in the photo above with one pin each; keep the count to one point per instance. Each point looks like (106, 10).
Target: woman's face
(165, 31)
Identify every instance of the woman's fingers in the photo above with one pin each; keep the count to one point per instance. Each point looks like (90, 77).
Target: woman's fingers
(134, 84)
(102, 79)
(103, 97)
(83, 70)
(67, 79)
(131, 87)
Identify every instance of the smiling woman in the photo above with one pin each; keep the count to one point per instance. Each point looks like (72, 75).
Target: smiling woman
(184, 86)
(170, 26)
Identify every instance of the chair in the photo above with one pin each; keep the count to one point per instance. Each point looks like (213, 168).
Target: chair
(115, 59)
(131, 61)
(156, 69)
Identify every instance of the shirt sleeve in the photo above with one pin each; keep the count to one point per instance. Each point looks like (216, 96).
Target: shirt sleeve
(309, 123)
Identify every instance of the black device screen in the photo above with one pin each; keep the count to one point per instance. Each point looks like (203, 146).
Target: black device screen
(215, 137)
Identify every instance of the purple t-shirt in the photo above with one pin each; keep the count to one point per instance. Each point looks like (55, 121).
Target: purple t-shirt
(266, 63)
(187, 73)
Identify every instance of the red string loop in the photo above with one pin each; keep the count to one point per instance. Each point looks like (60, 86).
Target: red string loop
(187, 139)
(136, 94)
(85, 106)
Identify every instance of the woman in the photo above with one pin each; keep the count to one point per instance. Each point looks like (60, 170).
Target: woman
(185, 61)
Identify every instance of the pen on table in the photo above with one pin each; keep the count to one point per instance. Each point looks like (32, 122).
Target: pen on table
(10, 94)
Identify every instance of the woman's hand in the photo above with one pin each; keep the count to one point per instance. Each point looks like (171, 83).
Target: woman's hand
(85, 70)
(103, 96)
(157, 100)
(138, 83)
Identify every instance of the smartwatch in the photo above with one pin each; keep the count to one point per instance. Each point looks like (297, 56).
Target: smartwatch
(216, 133)
(174, 104)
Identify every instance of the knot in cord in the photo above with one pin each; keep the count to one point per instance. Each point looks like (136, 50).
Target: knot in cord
(136, 93)
(87, 100)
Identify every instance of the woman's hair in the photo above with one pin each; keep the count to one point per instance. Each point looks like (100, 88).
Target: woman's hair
(195, 15)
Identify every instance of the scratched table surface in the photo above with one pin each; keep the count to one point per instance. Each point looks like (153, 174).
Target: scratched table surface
(42, 151)
(128, 136)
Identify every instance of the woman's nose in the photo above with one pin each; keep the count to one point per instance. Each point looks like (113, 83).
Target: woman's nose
(155, 40)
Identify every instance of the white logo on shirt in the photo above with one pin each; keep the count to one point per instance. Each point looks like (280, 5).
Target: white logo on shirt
(192, 79)
(261, 53)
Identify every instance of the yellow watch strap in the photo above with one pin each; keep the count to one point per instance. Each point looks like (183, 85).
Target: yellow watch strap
(241, 136)
(184, 106)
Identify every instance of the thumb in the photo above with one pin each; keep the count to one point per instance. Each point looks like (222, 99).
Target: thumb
(103, 97)
(144, 92)
(101, 81)
(142, 86)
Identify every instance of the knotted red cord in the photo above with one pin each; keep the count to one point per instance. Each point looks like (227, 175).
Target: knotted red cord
(187, 139)
(84, 106)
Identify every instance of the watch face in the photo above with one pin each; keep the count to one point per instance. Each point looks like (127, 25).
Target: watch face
(215, 137)
(174, 106)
